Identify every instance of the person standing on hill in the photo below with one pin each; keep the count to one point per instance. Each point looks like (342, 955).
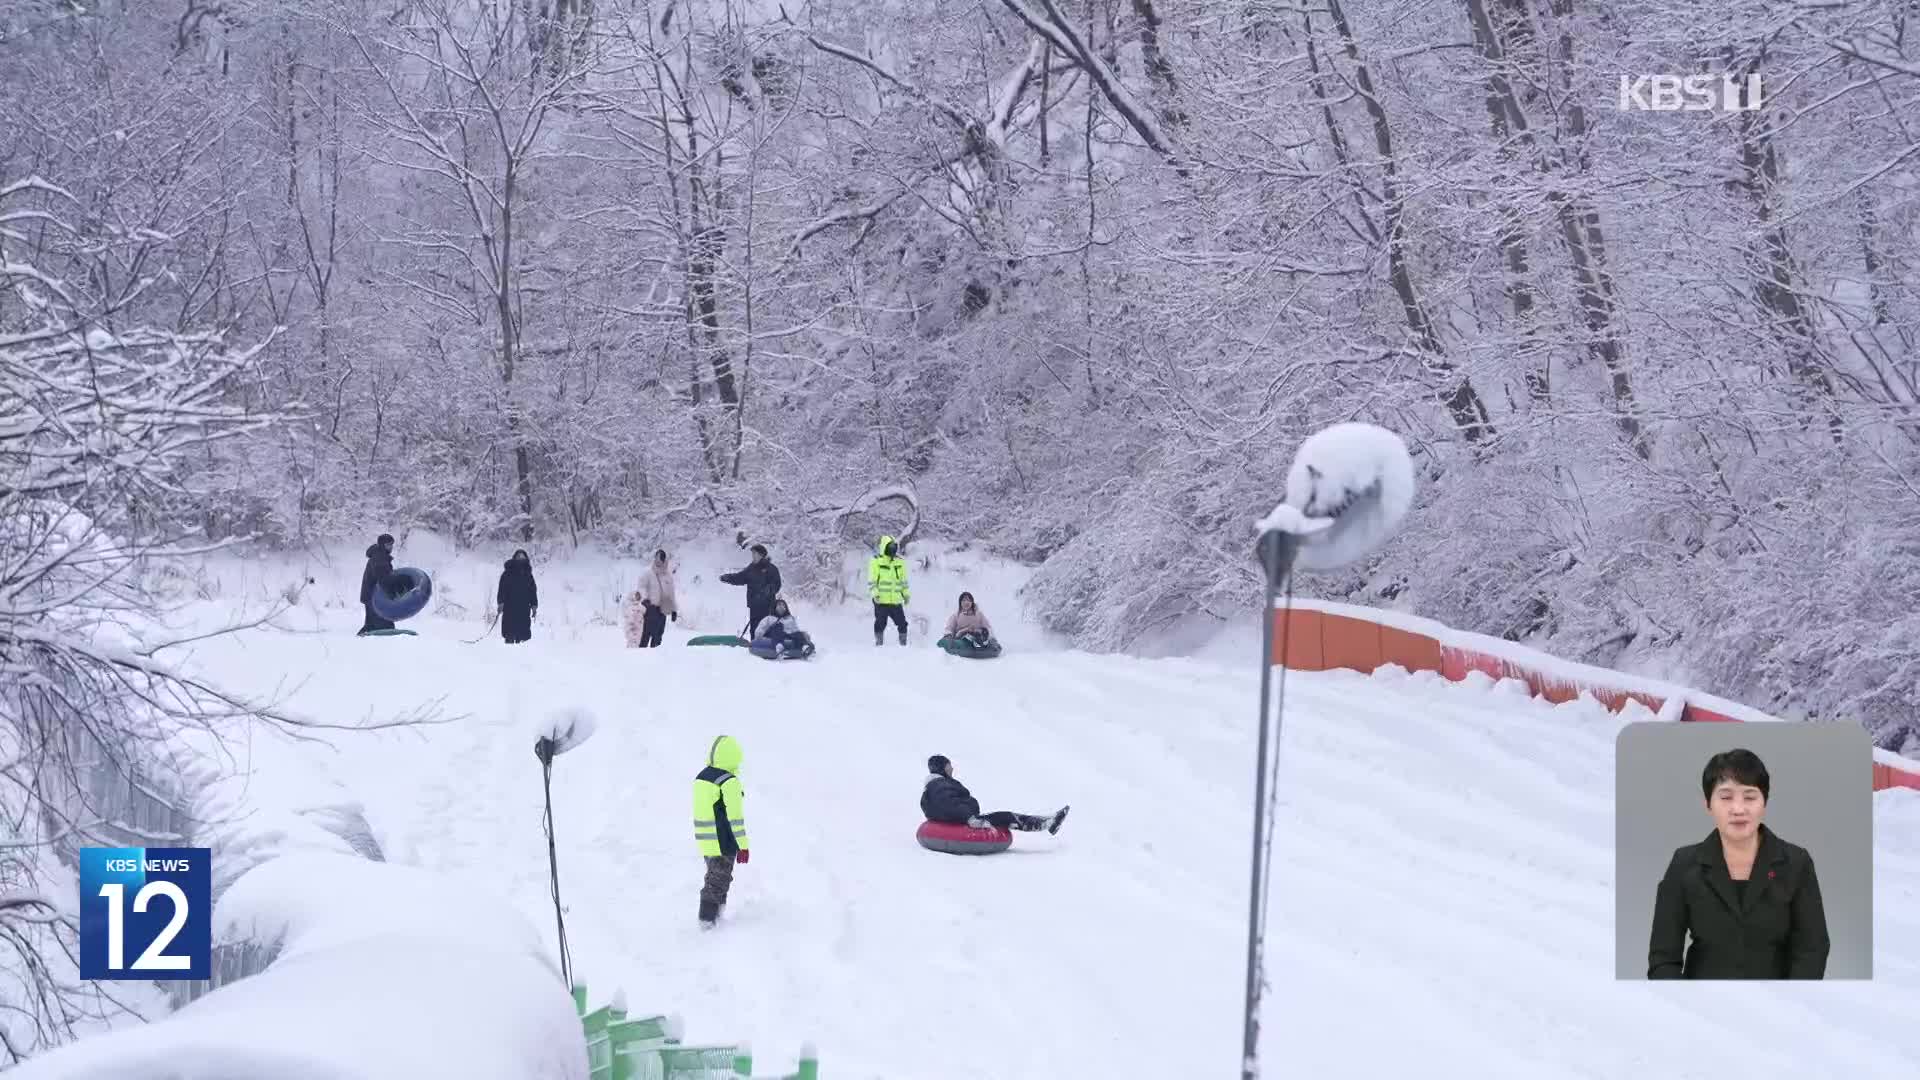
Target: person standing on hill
(379, 565)
(518, 597)
(762, 580)
(719, 824)
(654, 603)
(887, 582)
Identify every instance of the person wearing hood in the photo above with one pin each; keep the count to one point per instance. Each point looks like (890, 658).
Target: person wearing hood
(653, 604)
(762, 580)
(782, 630)
(887, 583)
(379, 565)
(947, 800)
(518, 597)
(969, 622)
(719, 824)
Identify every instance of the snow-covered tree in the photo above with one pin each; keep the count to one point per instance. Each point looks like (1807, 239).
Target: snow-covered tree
(1078, 275)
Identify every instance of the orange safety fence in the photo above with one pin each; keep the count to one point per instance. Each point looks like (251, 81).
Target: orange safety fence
(1308, 638)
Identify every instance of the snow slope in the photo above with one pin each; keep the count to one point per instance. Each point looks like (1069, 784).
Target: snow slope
(1443, 885)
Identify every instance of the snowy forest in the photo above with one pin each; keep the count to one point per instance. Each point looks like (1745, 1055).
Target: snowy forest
(1082, 273)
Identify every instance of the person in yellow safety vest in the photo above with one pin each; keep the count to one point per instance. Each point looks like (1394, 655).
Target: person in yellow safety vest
(719, 824)
(887, 582)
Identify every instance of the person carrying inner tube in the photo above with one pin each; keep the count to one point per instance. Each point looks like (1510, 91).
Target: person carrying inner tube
(379, 565)
(947, 800)
(887, 582)
(781, 630)
(969, 624)
(518, 597)
(762, 579)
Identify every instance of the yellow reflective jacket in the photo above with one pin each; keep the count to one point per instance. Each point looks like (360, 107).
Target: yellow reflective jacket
(719, 818)
(887, 576)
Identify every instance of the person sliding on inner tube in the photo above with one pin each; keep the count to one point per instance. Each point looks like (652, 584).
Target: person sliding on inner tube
(781, 630)
(969, 624)
(947, 800)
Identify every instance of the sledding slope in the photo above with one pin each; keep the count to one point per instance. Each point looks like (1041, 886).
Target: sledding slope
(1443, 884)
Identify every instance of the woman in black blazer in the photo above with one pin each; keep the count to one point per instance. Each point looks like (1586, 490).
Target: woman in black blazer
(1749, 900)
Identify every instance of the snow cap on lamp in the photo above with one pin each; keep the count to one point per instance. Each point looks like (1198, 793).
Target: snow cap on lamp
(1350, 487)
(561, 731)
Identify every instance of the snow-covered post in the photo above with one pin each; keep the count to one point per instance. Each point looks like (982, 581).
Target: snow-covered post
(1349, 488)
(556, 735)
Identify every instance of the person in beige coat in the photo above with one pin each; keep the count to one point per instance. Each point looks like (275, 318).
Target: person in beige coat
(653, 603)
(969, 622)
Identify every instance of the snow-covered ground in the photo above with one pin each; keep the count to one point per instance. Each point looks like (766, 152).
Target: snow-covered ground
(1443, 886)
(381, 972)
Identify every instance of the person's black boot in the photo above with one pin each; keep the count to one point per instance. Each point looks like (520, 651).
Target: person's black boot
(903, 637)
(1053, 826)
(709, 911)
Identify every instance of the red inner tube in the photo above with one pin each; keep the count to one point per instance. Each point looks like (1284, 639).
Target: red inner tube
(962, 839)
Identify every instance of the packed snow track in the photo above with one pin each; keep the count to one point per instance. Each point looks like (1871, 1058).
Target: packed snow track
(1443, 883)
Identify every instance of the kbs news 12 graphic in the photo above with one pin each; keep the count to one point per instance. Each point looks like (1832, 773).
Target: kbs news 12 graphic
(144, 913)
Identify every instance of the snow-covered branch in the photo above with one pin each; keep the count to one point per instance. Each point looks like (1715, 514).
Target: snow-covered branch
(110, 405)
(1054, 27)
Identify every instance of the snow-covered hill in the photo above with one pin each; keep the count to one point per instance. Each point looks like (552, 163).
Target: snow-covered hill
(1443, 900)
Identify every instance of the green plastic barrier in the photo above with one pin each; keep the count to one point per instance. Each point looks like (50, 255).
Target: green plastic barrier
(649, 1048)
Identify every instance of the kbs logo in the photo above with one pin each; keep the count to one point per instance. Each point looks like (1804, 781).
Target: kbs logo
(1690, 93)
(149, 904)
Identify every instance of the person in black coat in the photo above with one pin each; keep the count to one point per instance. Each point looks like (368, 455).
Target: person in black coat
(762, 580)
(947, 800)
(1749, 900)
(518, 597)
(379, 565)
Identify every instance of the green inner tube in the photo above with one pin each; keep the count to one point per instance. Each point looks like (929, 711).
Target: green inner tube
(717, 639)
(961, 647)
